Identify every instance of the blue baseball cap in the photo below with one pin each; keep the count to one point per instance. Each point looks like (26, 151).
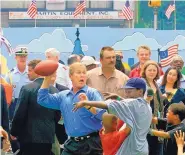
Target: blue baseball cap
(135, 83)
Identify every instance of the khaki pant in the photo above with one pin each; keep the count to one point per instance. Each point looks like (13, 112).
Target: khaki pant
(4, 153)
(56, 147)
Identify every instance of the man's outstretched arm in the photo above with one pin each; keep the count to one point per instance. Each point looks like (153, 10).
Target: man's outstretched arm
(44, 98)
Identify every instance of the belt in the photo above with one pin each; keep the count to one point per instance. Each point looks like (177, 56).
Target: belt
(81, 138)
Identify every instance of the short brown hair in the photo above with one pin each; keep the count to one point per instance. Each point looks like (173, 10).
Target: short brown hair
(178, 109)
(108, 119)
(144, 47)
(74, 66)
(148, 63)
(33, 63)
(107, 48)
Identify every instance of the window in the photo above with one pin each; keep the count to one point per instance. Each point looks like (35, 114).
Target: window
(73, 4)
(101, 4)
(55, 5)
(12, 4)
(55, 1)
(106, 4)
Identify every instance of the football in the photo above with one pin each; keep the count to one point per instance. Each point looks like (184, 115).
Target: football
(46, 67)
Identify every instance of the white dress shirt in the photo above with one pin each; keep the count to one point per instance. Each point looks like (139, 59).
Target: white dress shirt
(63, 76)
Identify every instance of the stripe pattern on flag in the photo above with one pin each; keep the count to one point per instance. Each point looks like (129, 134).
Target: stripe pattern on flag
(4, 41)
(169, 10)
(80, 8)
(167, 55)
(32, 9)
(127, 12)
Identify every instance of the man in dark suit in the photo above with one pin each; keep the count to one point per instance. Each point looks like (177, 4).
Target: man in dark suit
(4, 120)
(59, 127)
(4, 110)
(4, 107)
(33, 125)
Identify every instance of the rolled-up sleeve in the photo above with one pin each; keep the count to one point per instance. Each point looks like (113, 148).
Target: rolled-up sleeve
(51, 101)
(121, 110)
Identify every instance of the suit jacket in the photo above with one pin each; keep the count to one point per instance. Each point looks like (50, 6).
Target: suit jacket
(33, 123)
(4, 110)
(60, 129)
(61, 87)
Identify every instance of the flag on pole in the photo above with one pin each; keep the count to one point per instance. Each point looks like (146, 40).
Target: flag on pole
(127, 12)
(167, 55)
(170, 9)
(32, 9)
(4, 41)
(80, 8)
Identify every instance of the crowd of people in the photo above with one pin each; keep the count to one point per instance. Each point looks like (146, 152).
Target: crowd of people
(90, 107)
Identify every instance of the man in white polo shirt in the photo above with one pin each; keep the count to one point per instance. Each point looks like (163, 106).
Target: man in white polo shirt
(62, 71)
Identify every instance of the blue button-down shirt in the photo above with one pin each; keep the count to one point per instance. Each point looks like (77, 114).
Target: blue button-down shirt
(17, 79)
(79, 123)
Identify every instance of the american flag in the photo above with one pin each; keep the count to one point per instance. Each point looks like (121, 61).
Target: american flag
(80, 8)
(127, 12)
(170, 9)
(4, 41)
(32, 10)
(167, 55)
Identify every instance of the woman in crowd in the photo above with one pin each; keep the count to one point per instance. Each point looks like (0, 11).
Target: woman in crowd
(150, 72)
(170, 88)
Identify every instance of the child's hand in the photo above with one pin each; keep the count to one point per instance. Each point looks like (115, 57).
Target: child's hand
(149, 98)
(164, 95)
(111, 96)
(83, 97)
(179, 137)
(3, 133)
(6, 145)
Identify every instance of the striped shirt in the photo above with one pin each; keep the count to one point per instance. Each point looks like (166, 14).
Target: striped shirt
(137, 114)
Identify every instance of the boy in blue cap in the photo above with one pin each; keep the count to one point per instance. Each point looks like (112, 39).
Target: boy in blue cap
(134, 111)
